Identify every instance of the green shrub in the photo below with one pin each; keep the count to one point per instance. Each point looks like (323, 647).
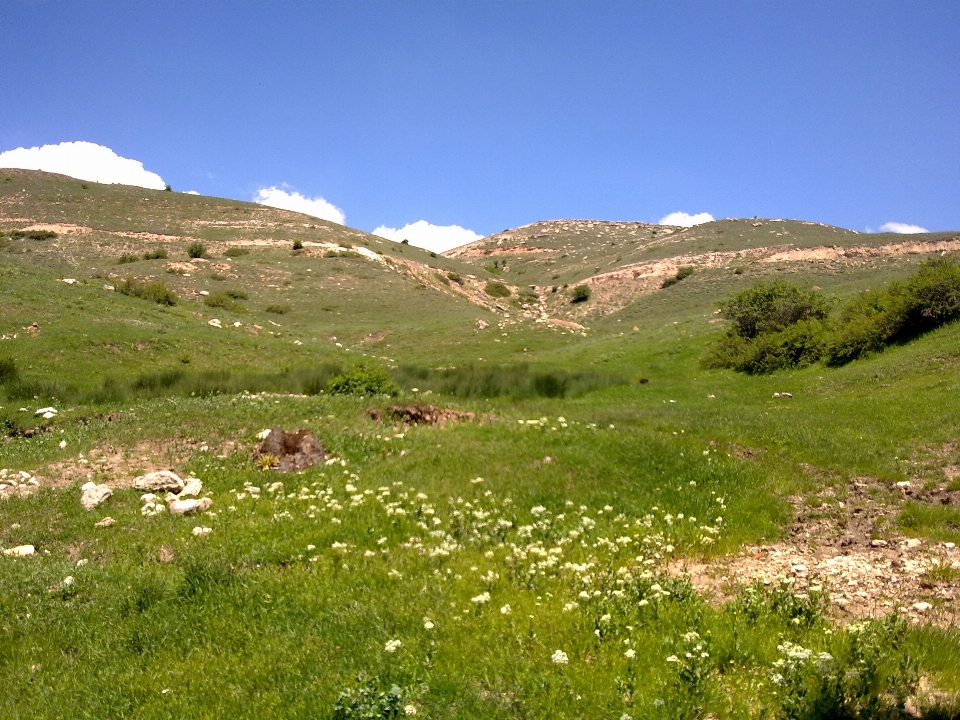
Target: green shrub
(233, 252)
(38, 235)
(127, 258)
(797, 345)
(227, 300)
(455, 277)
(363, 380)
(771, 306)
(496, 289)
(527, 295)
(8, 370)
(154, 291)
(158, 254)
(298, 244)
(197, 250)
(278, 309)
(443, 279)
(683, 273)
(581, 293)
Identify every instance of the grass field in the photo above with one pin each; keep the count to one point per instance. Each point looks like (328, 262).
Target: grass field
(547, 559)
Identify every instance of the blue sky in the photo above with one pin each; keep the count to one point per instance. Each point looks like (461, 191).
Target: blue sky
(490, 115)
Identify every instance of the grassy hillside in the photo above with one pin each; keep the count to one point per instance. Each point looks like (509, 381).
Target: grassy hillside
(616, 532)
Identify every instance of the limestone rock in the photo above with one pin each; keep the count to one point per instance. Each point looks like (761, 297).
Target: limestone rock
(192, 487)
(147, 498)
(20, 551)
(201, 531)
(189, 506)
(106, 522)
(92, 495)
(159, 481)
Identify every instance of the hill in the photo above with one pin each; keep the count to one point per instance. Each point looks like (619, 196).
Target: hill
(514, 506)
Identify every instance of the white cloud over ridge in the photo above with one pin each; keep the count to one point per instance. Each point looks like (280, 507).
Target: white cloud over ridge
(316, 207)
(436, 238)
(84, 161)
(682, 219)
(902, 228)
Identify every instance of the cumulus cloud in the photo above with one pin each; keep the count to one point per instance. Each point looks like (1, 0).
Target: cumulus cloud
(902, 228)
(316, 207)
(84, 161)
(683, 219)
(192, 192)
(436, 238)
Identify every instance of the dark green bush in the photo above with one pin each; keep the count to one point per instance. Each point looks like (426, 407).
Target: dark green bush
(514, 381)
(278, 309)
(363, 380)
(158, 254)
(233, 252)
(683, 273)
(227, 300)
(197, 250)
(33, 234)
(497, 289)
(581, 293)
(772, 306)
(298, 244)
(797, 345)
(528, 295)
(455, 277)
(154, 291)
(127, 258)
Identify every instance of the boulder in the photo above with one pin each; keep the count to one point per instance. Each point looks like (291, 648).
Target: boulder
(191, 488)
(290, 451)
(92, 495)
(189, 506)
(20, 551)
(159, 481)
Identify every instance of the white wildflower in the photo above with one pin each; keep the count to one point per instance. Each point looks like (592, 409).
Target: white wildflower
(392, 646)
(559, 657)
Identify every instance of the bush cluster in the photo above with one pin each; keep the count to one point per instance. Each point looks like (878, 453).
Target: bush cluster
(33, 234)
(683, 273)
(197, 250)
(581, 293)
(233, 252)
(496, 289)
(154, 291)
(227, 300)
(363, 380)
(778, 325)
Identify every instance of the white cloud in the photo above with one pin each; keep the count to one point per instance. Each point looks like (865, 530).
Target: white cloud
(192, 192)
(902, 228)
(683, 219)
(84, 161)
(436, 238)
(316, 207)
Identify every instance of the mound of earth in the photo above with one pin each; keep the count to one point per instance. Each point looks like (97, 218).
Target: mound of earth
(290, 451)
(421, 414)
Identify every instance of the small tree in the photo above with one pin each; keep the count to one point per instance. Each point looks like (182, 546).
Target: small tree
(197, 250)
(581, 293)
(497, 290)
(297, 245)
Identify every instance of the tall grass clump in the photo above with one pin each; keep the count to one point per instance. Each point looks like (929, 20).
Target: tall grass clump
(682, 274)
(8, 370)
(158, 254)
(513, 381)
(154, 291)
(197, 250)
(234, 252)
(227, 300)
(497, 290)
(38, 235)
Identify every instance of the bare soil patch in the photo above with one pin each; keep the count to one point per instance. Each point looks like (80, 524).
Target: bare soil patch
(420, 414)
(289, 451)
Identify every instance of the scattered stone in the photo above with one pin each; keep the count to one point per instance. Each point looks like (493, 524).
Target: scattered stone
(201, 531)
(922, 606)
(290, 451)
(191, 488)
(162, 480)
(147, 498)
(914, 543)
(93, 495)
(20, 551)
(106, 522)
(878, 543)
(152, 508)
(46, 411)
(164, 554)
(188, 507)
(214, 323)
(903, 484)
(782, 395)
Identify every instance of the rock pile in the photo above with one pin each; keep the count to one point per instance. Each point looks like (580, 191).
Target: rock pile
(289, 451)
(180, 498)
(20, 483)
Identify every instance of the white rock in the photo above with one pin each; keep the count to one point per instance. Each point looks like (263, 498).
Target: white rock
(264, 434)
(68, 580)
(914, 543)
(160, 480)
(922, 606)
(147, 498)
(92, 495)
(214, 323)
(151, 509)
(20, 551)
(903, 484)
(191, 487)
(878, 543)
(188, 507)
(48, 415)
(201, 531)
(106, 522)
(46, 410)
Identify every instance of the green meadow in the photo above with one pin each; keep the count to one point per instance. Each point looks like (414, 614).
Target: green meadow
(533, 562)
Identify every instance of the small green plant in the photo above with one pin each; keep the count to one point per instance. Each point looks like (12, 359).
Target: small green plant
(197, 250)
(455, 277)
(127, 258)
(167, 188)
(528, 295)
(234, 252)
(298, 244)
(278, 309)
(38, 235)
(363, 380)
(176, 271)
(581, 293)
(368, 700)
(154, 291)
(497, 289)
(682, 274)
(227, 300)
(158, 254)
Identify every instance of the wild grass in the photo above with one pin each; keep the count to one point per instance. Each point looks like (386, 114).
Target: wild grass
(153, 291)
(516, 382)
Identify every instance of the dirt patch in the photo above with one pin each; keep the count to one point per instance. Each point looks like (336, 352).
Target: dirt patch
(421, 414)
(841, 542)
(289, 451)
(115, 466)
